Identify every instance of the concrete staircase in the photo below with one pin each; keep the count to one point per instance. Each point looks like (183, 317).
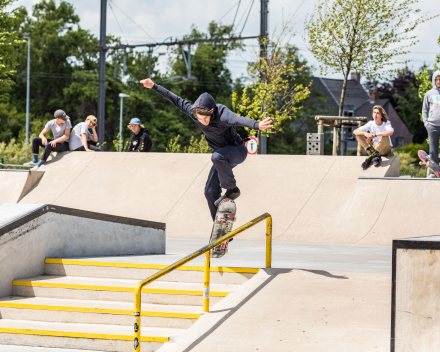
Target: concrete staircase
(88, 305)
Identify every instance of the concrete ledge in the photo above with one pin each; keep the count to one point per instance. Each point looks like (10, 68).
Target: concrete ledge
(415, 285)
(52, 231)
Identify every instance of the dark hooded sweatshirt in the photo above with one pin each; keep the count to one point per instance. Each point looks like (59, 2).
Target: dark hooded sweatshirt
(140, 142)
(221, 129)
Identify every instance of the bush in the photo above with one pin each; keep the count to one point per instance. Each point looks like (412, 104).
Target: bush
(409, 159)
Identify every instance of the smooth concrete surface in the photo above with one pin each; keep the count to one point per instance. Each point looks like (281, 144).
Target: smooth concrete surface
(24, 249)
(417, 300)
(252, 254)
(313, 199)
(12, 348)
(11, 211)
(296, 310)
(15, 184)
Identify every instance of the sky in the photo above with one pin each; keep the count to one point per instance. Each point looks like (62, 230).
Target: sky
(149, 21)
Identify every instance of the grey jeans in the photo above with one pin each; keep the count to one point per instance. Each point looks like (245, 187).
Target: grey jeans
(433, 135)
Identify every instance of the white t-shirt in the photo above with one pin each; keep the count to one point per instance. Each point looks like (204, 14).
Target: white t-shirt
(371, 127)
(75, 135)
(58, 131)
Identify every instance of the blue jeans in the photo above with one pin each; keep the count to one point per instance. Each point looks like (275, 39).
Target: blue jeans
(221, 175)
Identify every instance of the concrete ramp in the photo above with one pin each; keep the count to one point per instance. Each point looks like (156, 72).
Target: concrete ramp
(15, 184)
(309, 197)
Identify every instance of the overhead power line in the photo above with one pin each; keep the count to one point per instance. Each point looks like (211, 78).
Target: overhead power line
(229, 10)
(236, 12)
(252, 4)
(130, 19)
(116, 19)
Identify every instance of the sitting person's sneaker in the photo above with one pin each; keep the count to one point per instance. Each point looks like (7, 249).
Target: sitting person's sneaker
(366, 164)
(431, 175)
(229, 194)
(35, 168)
(30, 163)
(377, 160)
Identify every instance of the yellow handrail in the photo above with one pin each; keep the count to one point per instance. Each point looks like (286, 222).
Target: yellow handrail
(206, 249)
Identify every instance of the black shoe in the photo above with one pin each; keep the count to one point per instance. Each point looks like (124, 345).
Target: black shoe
(229, 194)
(377, 160)
(366, 164)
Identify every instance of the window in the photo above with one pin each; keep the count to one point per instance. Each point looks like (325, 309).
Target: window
(399, 142)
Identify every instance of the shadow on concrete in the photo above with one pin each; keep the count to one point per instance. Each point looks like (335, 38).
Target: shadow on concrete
(325, 273)
(273, 273)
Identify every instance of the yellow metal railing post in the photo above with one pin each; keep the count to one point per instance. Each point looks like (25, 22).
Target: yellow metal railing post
(269, 242)
(206, 281)
(137, 318)
(207, 272)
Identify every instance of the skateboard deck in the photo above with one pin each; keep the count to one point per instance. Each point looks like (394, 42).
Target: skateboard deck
(426, 159)
(224, 220)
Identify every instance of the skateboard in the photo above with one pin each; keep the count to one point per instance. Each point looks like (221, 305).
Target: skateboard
(426, 159)
(8, 166)
(224, 220)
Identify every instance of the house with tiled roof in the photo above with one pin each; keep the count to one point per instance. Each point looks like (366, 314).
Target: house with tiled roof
(359, 102)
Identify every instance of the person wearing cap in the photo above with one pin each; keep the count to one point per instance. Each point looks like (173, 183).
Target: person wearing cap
(140, 140)
(81, 134)
(60, 127)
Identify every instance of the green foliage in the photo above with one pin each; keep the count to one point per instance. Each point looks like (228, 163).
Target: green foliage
(8, 38)
(424, 77)
(273, 92)
(14, 152)
(196, 145)
(364, 36)
(409, 159)
(125, 144)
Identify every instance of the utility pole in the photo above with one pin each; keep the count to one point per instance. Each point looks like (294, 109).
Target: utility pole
(264, 19)
(28, 85)
(101, 87)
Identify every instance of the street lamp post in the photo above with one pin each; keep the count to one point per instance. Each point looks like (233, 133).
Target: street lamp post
(122, 96)
(28, 79)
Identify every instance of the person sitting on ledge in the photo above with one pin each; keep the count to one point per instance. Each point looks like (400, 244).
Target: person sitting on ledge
(140, 140)
(80, 136)
(60, 127)
(375, 138)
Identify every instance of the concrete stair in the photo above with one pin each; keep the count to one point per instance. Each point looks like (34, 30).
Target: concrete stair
(88, 304)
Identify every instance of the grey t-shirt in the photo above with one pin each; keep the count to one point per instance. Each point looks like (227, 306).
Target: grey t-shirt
(75, 135)
(58, 131)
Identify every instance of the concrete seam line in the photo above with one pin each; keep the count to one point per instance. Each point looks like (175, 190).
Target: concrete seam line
(377, 218)
(74, 180)
(195, 178)
(299, 212)
(147, 266)
(117, 288)
(81, 335)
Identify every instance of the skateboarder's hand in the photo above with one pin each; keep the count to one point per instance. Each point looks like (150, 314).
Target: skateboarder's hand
(53, 144)
(265, 124)
(148, 83)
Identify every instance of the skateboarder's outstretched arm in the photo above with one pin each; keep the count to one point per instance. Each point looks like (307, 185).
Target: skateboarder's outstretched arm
(182, 104)
(232, 119)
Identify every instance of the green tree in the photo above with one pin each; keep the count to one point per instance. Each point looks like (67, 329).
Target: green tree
(274, 92)
(364, 36)
(8, 39)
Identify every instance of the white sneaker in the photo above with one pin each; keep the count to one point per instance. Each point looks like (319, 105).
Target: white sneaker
(431, 176)
(30, 163)
(35, 168)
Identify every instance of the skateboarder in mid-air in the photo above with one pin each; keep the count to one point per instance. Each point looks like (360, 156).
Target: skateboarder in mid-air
(217, 123)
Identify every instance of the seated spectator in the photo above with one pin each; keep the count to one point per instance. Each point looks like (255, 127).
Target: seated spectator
(375, 138)
(60, 127)
(140, 140)
(80, 136)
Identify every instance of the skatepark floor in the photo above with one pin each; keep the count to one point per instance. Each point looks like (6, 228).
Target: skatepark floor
(252, 254)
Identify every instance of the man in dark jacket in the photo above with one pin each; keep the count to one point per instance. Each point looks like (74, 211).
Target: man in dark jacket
(217, 123)
(140, 140)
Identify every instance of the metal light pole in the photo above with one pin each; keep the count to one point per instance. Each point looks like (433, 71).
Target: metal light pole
(264, 19)
(122, 96)
(28, 79)
(101, 79)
